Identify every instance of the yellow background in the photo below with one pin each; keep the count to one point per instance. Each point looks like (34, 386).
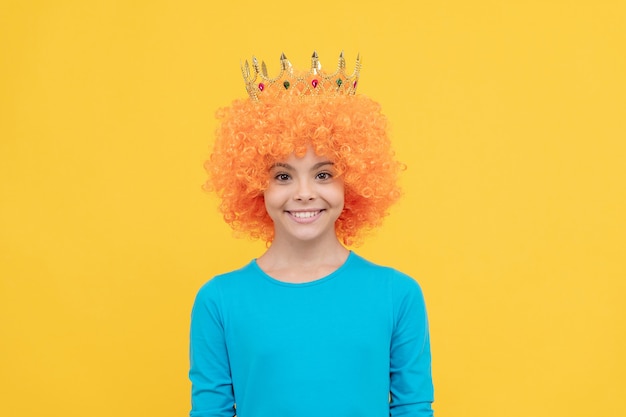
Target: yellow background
(511, 116)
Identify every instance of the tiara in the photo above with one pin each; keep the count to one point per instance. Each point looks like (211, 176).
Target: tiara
(289, 82)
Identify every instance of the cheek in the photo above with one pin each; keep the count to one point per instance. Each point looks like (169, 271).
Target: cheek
(267, 199)
(274, 197)
(340, 194)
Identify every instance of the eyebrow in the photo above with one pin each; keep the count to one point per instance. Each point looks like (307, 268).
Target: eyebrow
(287, 166)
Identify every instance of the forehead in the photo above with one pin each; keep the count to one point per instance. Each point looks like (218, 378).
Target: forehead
(309, 159)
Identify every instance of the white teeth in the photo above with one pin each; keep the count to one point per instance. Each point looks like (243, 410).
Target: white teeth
(304, 214)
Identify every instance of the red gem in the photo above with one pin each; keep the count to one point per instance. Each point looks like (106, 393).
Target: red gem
(314, 83)
(261, 86)
(354, 84)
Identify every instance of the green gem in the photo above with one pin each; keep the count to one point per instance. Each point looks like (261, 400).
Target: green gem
(286, 85)
(339, 82)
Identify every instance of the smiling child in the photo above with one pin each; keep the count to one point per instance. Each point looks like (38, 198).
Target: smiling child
(309, 328)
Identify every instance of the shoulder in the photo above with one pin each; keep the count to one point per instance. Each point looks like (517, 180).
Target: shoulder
(401, 287)
(226, 282)
(395, 277)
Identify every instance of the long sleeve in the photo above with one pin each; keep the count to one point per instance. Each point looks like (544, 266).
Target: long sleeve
(410, 362)
(337, 346)
(212, 391)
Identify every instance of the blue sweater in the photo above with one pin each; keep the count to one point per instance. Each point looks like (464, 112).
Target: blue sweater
(334, 347)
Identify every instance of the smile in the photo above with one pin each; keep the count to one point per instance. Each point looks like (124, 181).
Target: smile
(304, 216)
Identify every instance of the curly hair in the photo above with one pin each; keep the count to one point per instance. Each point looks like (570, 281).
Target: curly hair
(348, 129)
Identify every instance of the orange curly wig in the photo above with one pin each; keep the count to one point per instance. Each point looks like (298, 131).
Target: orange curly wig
(348, 129)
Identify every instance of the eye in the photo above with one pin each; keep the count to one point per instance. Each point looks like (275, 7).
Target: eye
(324, 176)
(282, 177)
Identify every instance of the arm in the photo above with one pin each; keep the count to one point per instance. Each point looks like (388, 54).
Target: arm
(211, 385)
(410, 363)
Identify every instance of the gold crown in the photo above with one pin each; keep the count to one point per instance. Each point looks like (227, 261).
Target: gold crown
(287, 82)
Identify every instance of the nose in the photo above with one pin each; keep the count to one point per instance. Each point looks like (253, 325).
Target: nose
(305, 191)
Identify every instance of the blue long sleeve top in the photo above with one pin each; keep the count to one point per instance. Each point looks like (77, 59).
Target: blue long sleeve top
(352, 344)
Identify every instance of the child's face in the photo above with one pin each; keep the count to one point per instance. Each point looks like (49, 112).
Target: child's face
(304, 198)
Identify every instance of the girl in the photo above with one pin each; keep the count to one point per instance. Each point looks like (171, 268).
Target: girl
(309, 328)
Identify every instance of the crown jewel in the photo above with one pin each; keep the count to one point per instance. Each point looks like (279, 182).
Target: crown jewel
(289, 82)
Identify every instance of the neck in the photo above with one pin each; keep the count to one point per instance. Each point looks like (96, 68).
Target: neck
(302, 261)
